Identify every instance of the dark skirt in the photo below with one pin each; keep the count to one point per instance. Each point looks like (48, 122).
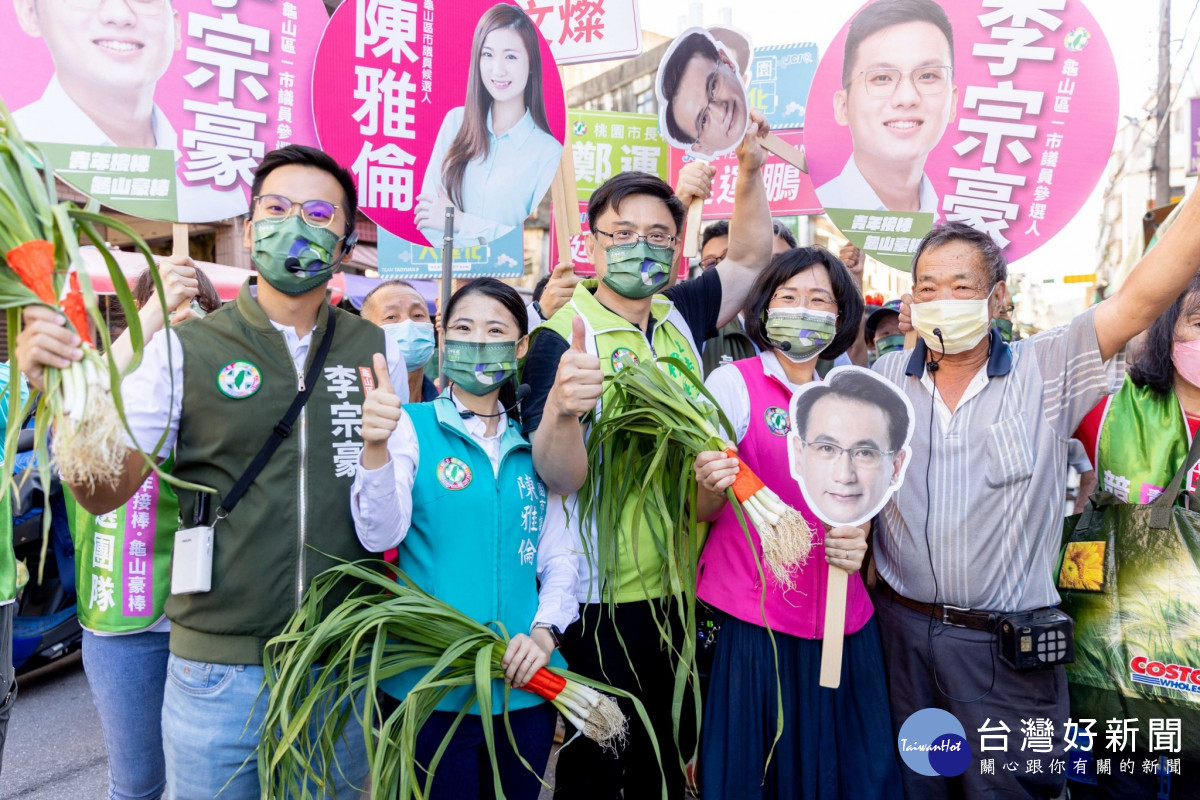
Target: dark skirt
(837, 744)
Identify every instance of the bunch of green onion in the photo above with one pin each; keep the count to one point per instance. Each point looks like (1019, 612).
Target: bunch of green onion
(40, 264)
(328, 663)
(657, 417)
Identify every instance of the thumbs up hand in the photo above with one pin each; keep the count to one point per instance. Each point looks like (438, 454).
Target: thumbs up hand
(380, 414)
(579, 381)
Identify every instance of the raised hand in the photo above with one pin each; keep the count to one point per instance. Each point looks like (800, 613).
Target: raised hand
(380, 415)
(579, 381)
(558, 289)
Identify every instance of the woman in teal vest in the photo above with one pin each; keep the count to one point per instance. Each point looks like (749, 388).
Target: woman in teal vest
(1137, 439)
(468, 517)
(122, 575)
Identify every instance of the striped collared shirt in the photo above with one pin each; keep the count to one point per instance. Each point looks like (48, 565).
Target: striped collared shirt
(986, 484)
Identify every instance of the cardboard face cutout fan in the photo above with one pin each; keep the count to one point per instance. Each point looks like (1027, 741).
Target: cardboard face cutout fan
(849, 444)
(702, 102)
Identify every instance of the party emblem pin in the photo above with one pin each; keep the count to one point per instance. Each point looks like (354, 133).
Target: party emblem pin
(239, 379)
(453, 474)
(777, 421)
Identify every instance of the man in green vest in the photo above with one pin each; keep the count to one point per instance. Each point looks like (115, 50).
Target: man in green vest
(635, 222)
(218, 386)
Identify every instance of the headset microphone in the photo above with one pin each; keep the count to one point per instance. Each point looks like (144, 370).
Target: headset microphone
(784, 346)
(523, 391)
(933, 364)
(292, 264)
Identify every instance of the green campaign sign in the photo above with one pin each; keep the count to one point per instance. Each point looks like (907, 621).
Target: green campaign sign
(605, 143)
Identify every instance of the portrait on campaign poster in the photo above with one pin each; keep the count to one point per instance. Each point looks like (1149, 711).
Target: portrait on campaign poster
(160, 109)
(703, 109)
(494, 157)
(897, 99)
(467, 113)
(849, 445)
(1000, 116)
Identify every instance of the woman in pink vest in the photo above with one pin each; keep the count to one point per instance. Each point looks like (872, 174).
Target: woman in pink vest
(835, 743)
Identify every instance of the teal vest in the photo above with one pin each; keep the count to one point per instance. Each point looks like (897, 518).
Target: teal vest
(473, 538)
(294, 522)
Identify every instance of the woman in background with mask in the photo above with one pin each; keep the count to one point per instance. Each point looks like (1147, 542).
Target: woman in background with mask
(398, 308)
(803, 305)
(1137, 439)
(464, 458)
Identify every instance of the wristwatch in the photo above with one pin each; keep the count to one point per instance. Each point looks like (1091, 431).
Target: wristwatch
(555, 633)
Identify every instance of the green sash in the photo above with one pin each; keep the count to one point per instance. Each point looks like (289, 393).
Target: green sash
(1144, 438)
(123, 558)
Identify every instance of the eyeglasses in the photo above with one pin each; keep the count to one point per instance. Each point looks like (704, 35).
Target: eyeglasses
(655, 241)
(143, 8)
(865, 457)
(317, 213)
(883, 81)
(711, 261)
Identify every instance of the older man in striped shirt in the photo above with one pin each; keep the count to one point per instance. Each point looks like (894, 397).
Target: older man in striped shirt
(975, 531)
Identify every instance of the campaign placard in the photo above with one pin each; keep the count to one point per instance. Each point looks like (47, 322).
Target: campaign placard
(997, 114)
(605, 143)
(780, 77)
(580, 31)
(162, 108)
(789, 191)
(435, 104)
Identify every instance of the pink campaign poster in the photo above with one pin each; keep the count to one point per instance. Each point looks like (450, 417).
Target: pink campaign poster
(435, 104)
(161, 108)
(998, 114)
(789, 191)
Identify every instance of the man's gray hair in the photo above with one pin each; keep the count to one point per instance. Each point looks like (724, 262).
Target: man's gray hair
(990, 254)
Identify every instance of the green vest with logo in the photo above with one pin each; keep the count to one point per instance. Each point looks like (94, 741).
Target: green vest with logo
(294, 521)
(123, 558)
(486, 569)
(642, 572)
(8, 559)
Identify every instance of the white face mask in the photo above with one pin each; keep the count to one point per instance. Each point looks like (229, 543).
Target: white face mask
(962, 323)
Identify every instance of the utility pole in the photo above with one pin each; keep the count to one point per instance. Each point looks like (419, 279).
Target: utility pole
(1162, 111)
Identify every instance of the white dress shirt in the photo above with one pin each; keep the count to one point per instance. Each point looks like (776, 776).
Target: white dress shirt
(56, 118)
(153, 404)
(851, 190)
(381, 502)
(500, 191)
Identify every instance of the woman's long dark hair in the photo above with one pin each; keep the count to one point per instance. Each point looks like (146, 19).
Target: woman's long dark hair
(508, 297)
(208, 298)
(788, 265)
(472, 139)
(1152, 366)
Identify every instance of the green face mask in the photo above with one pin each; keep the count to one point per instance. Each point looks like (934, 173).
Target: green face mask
(480, 367)
(800, 334)
(889, 344)
(293, 256)
(637, 270)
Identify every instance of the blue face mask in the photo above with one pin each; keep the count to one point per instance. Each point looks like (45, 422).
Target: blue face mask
(415, 340)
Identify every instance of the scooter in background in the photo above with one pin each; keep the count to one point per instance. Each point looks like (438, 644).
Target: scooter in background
(45, 627)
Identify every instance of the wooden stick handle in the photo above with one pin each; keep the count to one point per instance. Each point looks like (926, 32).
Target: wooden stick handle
(179, 235)
(835, 628)
(562, 215)
(691, 230)
(789, 153)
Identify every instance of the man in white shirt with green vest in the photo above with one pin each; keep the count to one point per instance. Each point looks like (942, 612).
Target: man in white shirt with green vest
(635, 222)
(230, 377)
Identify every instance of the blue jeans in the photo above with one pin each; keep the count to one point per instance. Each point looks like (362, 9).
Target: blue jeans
(127, 675)
(212, 715)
